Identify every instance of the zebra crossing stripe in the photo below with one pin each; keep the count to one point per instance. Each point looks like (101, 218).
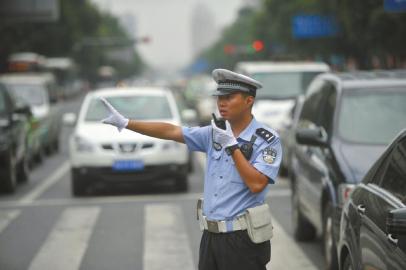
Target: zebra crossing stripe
(286, 254)
(6, 217)
(166, 241)
(68, 241)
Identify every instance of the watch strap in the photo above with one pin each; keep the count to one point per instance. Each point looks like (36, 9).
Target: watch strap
(230, 149)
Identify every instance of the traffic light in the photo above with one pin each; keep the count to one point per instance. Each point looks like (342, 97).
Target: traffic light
(258, 45)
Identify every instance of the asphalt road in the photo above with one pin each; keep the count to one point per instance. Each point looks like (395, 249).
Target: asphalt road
(43, 227)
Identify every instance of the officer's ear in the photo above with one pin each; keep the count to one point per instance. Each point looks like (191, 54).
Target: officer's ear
(249, 100)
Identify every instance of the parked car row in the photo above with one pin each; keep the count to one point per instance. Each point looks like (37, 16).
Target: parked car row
(341, 127)
(30, 125)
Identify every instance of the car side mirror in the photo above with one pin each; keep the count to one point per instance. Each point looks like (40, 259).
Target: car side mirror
(69, 119)
(312, 136)
(396, 222)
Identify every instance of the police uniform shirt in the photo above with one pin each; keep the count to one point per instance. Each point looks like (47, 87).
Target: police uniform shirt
(225, 193)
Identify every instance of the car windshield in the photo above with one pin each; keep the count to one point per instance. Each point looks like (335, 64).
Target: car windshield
(283, 85)
(137, 107)
(33, 95)
(372, 117)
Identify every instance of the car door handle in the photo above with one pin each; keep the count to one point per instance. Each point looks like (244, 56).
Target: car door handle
(361, 209)
(393, 240)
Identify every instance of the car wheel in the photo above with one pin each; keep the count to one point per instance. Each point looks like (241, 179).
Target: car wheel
(78, 184)
(181, 183)
(329, 247)
(347, 263)
(9, 184)
(302, 229)
(23, 170)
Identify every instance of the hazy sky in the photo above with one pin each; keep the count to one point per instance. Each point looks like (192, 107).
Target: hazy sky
(167, 23)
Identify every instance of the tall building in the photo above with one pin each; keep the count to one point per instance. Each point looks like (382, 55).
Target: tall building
(203, 27)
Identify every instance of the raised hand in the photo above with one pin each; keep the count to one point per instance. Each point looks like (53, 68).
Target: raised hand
(115, 118)
(223, 137)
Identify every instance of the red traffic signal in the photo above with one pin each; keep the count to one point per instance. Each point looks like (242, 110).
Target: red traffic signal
(258, 45)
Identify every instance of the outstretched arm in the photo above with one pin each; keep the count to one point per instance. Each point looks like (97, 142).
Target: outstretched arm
(157, 129)
(154, 129)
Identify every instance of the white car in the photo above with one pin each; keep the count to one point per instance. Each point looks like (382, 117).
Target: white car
(101, 154)
(282, 83)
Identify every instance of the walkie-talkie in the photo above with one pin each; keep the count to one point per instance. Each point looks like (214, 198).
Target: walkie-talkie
(220, 123)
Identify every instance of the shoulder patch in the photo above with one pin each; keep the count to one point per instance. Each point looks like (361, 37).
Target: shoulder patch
(265, 134)
(269, 155)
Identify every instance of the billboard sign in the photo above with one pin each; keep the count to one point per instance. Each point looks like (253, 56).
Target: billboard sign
(314, 26)
(395, 5)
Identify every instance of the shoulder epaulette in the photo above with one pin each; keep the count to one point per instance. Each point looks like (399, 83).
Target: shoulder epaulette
(265, 134)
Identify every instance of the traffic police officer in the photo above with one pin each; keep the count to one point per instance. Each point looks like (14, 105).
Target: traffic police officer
(243, 157)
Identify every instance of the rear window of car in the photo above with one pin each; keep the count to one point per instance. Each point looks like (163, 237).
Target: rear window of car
(372, 116)
(31, 94)
(283, 85)
(134, 107)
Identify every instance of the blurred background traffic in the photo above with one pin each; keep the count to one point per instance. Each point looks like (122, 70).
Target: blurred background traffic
(334, 76)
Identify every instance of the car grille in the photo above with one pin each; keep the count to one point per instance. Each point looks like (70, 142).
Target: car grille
(126, 147)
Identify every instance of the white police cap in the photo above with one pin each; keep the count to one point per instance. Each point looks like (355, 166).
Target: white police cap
(229, 82)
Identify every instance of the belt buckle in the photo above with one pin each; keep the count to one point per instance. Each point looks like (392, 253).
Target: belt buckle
(212, 226)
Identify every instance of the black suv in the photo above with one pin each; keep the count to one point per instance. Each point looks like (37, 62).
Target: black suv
(345, 124)
(13, 141)
(373, 222)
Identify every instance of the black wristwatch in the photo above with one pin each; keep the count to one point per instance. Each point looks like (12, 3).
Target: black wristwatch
(230, 149)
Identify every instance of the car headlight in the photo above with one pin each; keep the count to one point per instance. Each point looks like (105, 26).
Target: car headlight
(83, 145)
(169, 144)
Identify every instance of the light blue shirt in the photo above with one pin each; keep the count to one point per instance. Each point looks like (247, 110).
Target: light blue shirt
(225, 193)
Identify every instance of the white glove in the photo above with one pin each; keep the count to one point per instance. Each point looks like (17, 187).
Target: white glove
(114, 118)
(223, 137)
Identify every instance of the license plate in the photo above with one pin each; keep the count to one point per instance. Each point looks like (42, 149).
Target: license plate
(128, 165)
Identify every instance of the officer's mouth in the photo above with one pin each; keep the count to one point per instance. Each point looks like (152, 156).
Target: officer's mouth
(223, 113)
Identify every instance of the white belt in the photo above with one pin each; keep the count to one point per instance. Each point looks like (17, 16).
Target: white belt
(238, 224)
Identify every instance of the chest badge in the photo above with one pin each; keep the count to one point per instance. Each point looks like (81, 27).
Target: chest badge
(269, 155)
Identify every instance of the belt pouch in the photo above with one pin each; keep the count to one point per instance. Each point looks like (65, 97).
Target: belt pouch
(259, 223)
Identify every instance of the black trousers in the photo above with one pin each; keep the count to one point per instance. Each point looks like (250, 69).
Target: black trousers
(232, 251)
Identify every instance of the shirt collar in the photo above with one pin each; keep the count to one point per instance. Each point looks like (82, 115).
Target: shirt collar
(247, 133)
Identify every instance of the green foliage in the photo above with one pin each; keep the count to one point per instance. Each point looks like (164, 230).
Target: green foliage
(366, 32)
(79, 19)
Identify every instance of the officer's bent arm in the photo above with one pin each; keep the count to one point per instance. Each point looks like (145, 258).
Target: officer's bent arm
(159, 130)
(254, 179)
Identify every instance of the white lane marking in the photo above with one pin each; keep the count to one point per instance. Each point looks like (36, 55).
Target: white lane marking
(6, 217)
(122, 199)
(44, 185)
(285, 253)
(166, 241)
(68, 241)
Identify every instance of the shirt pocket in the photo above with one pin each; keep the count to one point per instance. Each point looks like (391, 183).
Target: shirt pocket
(216, 155)
(234, 174)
